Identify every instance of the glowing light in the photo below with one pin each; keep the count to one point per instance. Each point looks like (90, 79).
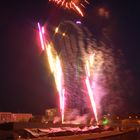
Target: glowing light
(78, 22)
(91, 59)
(91, 98)
(59, 83)
(86, 1)
(87, 68)
(76, 54)
(118, 118)
(63, 34)
(58, 75)
(56, 30)
(89, 88)
(105, 121)
(50, 58)
(43, 30)
(103, 12)
(55, 65)
(77, 9)
(56, 69)
(71, 4)
(41, 36)
(63, 104)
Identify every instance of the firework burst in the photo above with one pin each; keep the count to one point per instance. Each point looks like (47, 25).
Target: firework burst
(75, 5)
(88, 76)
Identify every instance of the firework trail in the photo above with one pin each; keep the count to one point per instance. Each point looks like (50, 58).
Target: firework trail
(75, 5)
(55, 67)
(41, 32)
(89, 88)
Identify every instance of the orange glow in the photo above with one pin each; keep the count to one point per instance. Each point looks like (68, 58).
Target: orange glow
(91, 59)
(78, 9)
(87, 68)
(103, 12)
(56, 30)
(63, 34)
(56, 69)
(71, 4)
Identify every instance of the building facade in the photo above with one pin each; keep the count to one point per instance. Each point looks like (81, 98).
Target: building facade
(14, 117)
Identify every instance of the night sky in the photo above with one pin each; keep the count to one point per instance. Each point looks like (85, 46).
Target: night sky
(26, 84)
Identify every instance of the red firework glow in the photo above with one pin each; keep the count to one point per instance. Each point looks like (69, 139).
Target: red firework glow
(72, 4)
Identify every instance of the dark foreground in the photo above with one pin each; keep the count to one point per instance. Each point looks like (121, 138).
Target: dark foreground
(133, 135)
(106, 135)
(34, 131)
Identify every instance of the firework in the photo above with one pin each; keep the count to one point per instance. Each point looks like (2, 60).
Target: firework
(73, 56)
(41, 32)
(55, 67)
(81, 70)
(89, 88)
(75, 5)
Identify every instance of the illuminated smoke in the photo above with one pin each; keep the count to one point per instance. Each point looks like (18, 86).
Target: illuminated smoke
(74, 50)
(83, 70)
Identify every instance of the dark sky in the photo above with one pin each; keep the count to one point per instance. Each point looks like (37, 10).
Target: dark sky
(25, 84)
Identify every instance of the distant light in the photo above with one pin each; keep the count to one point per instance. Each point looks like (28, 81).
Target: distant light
(63, 34)
(103, 12)
(56, 30)
(78, 22)
(108, 114)
(105, 122)
(117, 117)
(130, 117)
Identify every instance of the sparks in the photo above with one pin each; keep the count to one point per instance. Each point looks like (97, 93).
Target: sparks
(55, 67)
(41, 32)
(59, 83)
(59, 73)
(77, 9)
(90, 91)
(75, 5)
(91, 98)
